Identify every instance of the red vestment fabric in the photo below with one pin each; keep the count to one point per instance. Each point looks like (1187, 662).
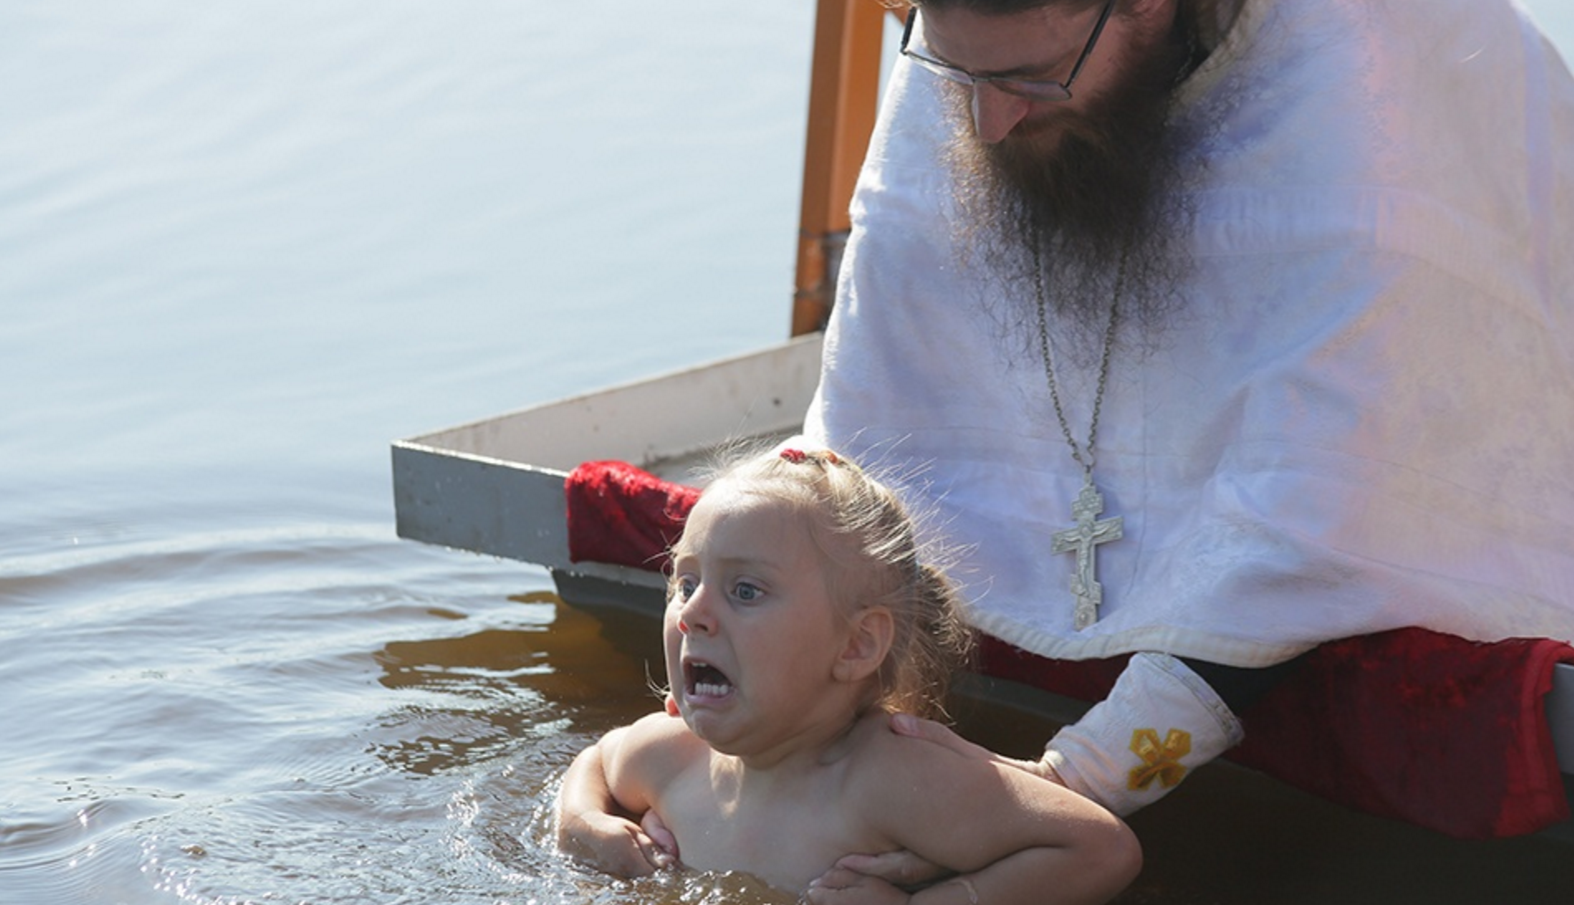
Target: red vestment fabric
(1410, 724)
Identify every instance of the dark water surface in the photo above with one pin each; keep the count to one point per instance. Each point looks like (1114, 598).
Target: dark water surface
(243, 247)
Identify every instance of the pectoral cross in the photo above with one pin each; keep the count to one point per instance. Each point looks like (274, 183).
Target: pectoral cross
(1084, 538)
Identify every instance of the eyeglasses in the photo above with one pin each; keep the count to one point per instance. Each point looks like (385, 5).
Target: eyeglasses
(1032, 89)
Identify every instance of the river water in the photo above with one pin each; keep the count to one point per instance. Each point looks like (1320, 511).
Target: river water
(242, 247)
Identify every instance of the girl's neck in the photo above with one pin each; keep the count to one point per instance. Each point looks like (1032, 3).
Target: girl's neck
(820, 745)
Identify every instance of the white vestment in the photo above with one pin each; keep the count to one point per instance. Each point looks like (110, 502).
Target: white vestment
(1365, 418)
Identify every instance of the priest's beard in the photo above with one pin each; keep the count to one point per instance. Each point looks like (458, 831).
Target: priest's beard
(1096, 190)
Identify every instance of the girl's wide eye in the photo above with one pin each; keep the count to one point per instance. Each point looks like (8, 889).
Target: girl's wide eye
(684, 585)
(746, 592)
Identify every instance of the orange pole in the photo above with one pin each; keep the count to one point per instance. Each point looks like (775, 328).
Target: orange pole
(843, 93)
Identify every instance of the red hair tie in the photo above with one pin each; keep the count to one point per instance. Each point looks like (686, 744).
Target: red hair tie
(822, 457)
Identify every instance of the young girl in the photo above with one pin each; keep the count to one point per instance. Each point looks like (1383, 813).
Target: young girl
(798, 615)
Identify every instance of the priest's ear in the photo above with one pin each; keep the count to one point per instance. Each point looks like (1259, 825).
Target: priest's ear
(868, 640)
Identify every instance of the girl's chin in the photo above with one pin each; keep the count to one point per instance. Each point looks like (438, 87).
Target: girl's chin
(711, 727)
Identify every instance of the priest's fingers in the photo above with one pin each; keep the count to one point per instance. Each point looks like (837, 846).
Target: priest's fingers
(846, 887)
(901, 868)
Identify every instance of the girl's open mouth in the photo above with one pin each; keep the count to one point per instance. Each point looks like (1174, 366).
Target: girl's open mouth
(702, 680)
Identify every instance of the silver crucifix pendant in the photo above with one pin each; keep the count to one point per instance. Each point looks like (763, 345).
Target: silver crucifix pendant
(1084, 538)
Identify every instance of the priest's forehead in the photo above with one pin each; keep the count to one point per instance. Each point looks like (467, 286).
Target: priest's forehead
(1004, 7)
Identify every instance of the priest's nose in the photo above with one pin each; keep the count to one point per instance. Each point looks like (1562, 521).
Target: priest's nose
(995, 112)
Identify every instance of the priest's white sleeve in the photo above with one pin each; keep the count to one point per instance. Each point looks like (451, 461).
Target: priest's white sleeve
(1159, 722)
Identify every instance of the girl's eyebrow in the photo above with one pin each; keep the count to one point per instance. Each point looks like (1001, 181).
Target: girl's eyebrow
(757, 564)
(753, 564)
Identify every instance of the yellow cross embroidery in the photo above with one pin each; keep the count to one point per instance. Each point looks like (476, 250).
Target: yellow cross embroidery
(1159, 761)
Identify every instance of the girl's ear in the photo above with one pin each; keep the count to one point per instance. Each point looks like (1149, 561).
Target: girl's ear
(869, 635)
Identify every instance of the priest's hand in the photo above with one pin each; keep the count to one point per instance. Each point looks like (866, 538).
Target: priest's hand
(847, 886)
(930, 731)
(872, 876)
(851, 877)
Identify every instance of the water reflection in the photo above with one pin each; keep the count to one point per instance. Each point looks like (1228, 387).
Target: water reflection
(568, 658)
(474, 697)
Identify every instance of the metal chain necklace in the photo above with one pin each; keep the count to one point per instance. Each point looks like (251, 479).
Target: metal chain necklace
(1089, 531)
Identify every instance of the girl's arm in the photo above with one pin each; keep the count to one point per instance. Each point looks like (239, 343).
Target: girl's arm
(596, 825)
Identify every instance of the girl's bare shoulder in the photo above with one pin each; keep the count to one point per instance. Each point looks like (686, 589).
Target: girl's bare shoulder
(881, 759)
(660, 726)
(653, 745)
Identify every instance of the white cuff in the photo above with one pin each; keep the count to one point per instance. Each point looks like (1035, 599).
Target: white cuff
(1158, 722)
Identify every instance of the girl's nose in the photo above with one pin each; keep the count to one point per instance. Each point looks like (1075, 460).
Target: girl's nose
(995, 112)
(694, 615)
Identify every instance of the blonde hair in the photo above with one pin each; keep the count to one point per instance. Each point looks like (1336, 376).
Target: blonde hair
(931, 640)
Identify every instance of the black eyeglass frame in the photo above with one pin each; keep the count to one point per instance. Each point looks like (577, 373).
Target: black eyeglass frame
(1032, 89)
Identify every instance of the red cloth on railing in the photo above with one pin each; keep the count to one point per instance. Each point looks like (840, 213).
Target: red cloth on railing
(1411, 724)
(624, 515)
